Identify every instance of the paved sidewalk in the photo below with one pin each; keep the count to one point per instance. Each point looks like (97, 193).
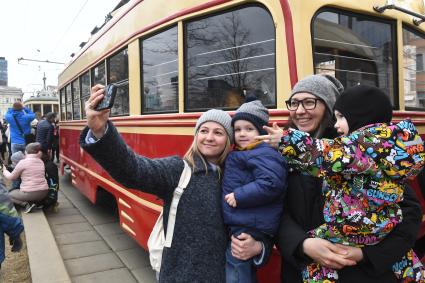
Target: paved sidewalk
(93, 246)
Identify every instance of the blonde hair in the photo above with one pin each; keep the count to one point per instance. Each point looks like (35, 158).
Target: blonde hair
(194, 151)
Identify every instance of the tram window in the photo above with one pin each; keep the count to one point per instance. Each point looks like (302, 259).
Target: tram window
(36, 108)
(413, 67)
(98, 74)
(68, 106)
(118, 73)
(85, 91)
(62, 103)
(356, 49)
(76, 100)
(160, 72)
(229, 56)
(47, 108)
(55, 108)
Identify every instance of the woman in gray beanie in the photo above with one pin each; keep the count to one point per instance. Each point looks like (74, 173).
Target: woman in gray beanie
(197, 253)
(310, 108)
(311, 104)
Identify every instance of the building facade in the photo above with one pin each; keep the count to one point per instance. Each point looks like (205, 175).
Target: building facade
(3, 71)
(8, 95)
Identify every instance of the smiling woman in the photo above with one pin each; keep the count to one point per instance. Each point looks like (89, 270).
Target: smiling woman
(311, 103)
(211, 139)
(203, 242)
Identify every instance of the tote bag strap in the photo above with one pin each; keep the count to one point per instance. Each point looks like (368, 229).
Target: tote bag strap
(184, 180)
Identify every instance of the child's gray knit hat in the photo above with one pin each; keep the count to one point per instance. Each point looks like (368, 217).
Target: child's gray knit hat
(325, 87)
(17, 156)
(253, 111)
(218, 116)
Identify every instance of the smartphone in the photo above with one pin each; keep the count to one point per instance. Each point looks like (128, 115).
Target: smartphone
(108, 99)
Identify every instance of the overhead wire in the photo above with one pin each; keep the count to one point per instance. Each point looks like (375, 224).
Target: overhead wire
(69, 27)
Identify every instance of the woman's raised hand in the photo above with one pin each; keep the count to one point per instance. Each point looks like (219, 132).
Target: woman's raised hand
(96, 120)
(274, 135)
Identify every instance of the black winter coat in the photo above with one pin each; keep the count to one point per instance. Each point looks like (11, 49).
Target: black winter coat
(197, 253)
(45, 135)
(303, 211)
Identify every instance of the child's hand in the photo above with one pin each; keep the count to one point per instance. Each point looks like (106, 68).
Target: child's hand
(230, 199)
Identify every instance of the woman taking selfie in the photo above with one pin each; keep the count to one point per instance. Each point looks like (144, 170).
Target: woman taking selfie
(197, 253)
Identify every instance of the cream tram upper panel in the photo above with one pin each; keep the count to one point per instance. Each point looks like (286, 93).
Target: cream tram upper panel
(304, 10)
(144, 14)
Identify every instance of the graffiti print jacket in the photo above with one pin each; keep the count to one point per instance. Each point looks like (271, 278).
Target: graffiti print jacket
(364, 172)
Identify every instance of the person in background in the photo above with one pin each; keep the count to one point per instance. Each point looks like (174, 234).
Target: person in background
(254, 183)
(45, 131)
(55, 143)
(9, 146)
(31, 170)
(52, 177)
(16, 158)
(197, 253)
(10, 223)
(310, 108)
(3, 141)
(19, 119)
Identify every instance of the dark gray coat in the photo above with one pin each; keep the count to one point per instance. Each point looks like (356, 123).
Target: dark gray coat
(199, 241)
(45, 134)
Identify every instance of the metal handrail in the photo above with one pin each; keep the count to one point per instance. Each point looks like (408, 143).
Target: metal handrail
(416, 21)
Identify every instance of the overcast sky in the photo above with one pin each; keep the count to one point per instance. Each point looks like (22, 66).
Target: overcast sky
(45, 30)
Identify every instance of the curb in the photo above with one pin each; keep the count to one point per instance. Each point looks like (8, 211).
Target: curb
(46, 263)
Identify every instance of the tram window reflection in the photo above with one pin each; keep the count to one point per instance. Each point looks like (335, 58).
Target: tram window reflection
(85, 91)
(356, 49)
(414, 71)
(229, 55)
(62, 103)
(160, 72)
(68, 104)
(118, 73)
(98, 74)
(76, 99)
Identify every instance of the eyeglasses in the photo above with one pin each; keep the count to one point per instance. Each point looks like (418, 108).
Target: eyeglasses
(307, 103)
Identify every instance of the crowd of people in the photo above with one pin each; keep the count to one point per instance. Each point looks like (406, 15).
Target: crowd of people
(28, 149)
(329, 189)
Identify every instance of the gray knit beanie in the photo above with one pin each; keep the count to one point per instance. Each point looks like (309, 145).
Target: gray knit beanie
(254, 112)
(325, 87)
(218, 116)
(16, 157)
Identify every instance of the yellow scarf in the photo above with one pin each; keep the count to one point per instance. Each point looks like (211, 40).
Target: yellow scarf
(249, 147)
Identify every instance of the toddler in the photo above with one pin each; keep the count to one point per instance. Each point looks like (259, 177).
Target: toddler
(254, 183)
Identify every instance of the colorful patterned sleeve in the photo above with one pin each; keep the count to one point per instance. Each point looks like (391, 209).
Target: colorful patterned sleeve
(321, 157)
(397, 148)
